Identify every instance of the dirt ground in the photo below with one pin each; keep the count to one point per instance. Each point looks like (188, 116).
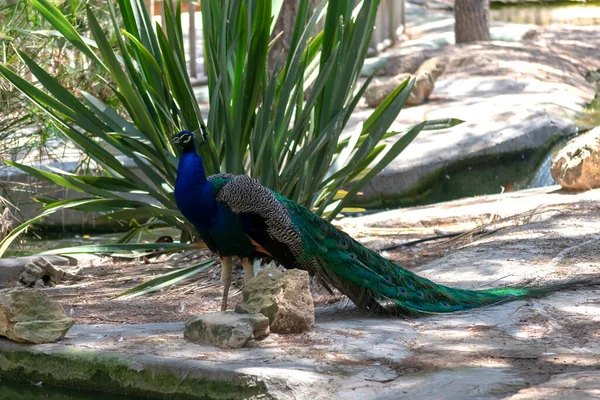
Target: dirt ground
(91, 299)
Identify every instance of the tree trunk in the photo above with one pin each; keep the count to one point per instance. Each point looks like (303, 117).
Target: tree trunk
(285, 24)
(472, 20)
(285, 27)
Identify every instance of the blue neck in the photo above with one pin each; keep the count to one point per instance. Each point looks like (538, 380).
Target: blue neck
(191, 168)
(193, 193)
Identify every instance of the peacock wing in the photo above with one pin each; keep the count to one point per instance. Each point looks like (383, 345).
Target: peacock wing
(264, 218)
(220, 180)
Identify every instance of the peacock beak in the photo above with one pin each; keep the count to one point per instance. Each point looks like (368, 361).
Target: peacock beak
(176, 139)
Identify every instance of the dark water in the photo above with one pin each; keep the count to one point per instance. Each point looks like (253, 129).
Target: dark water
(12, 390)
(572, 13)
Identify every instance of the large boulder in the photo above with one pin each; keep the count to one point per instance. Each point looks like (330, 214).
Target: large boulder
(226, 329)
(30, 316)
(379, 89)
(403, 63)
(577, 165)
(425, 78)
(283, 297)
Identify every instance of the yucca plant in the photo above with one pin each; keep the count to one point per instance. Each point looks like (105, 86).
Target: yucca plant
(285, 128)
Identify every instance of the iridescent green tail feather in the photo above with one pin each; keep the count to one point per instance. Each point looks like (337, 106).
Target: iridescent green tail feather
(376, 283)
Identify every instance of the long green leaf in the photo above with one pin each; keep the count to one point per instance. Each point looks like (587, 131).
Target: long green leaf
(392, 153)
(167, 280)
(133, 248)
(64, 181)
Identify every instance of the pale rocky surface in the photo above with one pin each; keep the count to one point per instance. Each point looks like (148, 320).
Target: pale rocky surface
(575, 385)
(531, 348)
(513, 96)
(283, 297)
(577, 165)
(30, 316)
(226, 329)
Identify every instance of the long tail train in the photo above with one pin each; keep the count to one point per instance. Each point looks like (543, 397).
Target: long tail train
(375, 283)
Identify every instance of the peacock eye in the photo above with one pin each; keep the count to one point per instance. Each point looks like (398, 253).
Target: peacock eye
(343, 243)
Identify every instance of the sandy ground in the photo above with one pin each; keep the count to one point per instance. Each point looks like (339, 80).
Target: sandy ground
(91, 298)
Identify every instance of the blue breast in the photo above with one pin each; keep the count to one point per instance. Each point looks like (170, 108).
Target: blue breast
(218, 226)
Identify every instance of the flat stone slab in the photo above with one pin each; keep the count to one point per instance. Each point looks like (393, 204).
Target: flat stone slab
(226, 329)
(530, 349)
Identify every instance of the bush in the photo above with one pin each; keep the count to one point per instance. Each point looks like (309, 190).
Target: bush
(23, 28)
(285, 128)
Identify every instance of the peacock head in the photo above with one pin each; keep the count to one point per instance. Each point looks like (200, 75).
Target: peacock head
(186, 139)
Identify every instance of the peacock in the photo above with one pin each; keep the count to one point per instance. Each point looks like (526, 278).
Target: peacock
(236, 216)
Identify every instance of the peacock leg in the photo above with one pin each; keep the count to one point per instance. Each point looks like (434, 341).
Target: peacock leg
(226, 265)
(248, 269)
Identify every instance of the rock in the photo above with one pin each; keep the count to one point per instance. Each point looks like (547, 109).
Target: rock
(402, 64)
(283, 297)
(13, 262)
(570, 385)
(577, 165)
(425, 78)
(12, 267)
(379, 89)
(226, 329)
(30, 316)
(531, 35)
(40, 268)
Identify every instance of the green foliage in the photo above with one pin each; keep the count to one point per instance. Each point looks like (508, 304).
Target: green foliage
(286, 127)
(166, 280)
(23, 28)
